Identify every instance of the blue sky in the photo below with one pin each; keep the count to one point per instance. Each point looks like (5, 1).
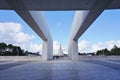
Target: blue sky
(105, 30)
(59, 23)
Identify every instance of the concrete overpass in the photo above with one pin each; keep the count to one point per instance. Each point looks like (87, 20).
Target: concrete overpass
(31, 12)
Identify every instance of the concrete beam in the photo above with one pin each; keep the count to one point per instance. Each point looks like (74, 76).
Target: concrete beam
(82, 21)
(36, 20)
(97, 9)
(26, 16)
(55, 4)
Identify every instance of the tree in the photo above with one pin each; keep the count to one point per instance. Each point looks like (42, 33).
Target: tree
(106, 52)
(11, 50)
(2, 48)
(20, 52)
(10, 45)
(99, 52)
(115, 50)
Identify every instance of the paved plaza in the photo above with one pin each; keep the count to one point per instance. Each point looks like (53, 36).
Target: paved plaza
(60, 70)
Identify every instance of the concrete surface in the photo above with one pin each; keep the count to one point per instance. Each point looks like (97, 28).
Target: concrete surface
(61, 70)
(55, 4)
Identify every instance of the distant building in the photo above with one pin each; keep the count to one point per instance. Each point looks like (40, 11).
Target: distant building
(59, 54)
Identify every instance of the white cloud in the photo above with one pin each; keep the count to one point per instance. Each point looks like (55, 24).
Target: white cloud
(35, 47)
(102, 45)
(85, 46)
(97, 46)
(56, 45)
(10, 27)
(110, 44)
(22, 37)
(12, 33)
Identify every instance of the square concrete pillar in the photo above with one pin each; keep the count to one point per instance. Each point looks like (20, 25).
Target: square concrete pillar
(47, 50)
(73, 50)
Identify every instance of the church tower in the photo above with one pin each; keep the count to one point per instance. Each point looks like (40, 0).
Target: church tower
(60, 52)
(60, 47)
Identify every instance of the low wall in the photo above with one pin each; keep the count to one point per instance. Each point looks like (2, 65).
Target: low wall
(20, 58)
(99, 58)
(39, 58)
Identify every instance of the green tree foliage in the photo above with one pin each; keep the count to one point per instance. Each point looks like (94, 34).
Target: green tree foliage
(99, 52)
(106, 52)
(10, 50)
(114, 51)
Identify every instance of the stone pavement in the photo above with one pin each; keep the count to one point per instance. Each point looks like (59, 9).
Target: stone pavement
(60, 70)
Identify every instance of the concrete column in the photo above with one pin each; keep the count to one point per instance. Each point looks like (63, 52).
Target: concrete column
(47, 45)
(73, 50)
(79, 18)
(47, 50)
